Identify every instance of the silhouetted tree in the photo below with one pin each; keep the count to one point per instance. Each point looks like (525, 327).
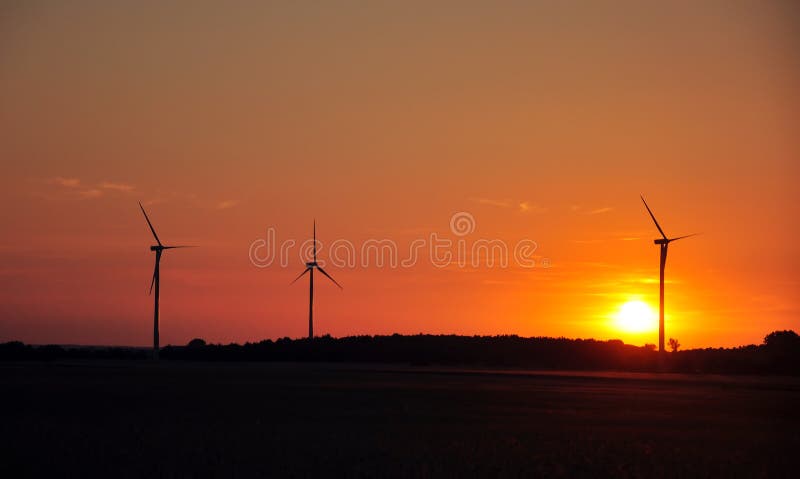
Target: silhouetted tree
(782, 352)
(782, 340)
(15, 350)
(196, 343)
(674, 345)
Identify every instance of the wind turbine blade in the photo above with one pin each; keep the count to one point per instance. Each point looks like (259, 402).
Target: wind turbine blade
(654, 218)
(681, 237)
(150, 225)
(315, 240)
(180, 246)
(152, 282)
(301, 275)
(155, 272)
(329, 277)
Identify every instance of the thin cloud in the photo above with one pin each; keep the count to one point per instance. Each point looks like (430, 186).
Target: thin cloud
(521, 206)
(121, 187)
(65, 182)
(77, 187)
(599, 211)
(226, 204)
(91, 193)
(493, 202)
(528, 207)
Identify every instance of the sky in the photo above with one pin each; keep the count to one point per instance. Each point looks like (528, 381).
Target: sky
(529, 126)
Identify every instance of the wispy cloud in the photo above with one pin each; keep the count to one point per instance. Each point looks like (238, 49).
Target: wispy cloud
(521, 206)
(65, 182)
(528, 207)
(191, 199)
(75, 187)
(493, 202)
(122, 187)
(599, 211)
(226, 204)
(91, 193)
(596, 211)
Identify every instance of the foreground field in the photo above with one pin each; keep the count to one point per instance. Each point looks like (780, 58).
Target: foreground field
(138, 419)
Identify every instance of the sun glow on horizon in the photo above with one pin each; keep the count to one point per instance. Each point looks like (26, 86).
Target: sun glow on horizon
(636, 316)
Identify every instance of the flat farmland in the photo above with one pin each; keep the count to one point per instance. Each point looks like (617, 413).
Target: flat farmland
(175, 419)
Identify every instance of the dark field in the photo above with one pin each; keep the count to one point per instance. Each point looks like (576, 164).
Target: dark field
(139, 419)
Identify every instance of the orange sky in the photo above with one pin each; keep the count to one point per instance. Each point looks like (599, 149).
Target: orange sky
(381, 120)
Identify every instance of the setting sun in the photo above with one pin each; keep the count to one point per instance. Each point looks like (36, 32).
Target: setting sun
(636, 316)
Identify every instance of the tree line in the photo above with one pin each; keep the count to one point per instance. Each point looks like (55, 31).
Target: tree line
(778, 354)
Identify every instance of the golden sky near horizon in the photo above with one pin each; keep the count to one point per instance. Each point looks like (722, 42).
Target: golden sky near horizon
(542, 120)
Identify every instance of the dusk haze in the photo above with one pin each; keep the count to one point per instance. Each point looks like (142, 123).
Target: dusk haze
(468, 185)
(544, 122)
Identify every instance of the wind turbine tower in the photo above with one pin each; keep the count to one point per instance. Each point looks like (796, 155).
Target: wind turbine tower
(663, 244)
(310, 267)
(158, 249)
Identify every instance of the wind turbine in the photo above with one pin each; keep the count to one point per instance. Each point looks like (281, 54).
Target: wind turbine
(158, 249)
(663, 243)
(310, 267)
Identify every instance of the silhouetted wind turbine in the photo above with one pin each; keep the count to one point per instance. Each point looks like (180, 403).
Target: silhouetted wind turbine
(310, 267)
(159, 249)
(663, 242)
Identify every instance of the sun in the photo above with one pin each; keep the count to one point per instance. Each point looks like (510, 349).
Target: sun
(636, 316)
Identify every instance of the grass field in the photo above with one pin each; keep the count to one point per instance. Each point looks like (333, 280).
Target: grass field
(139, 419)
